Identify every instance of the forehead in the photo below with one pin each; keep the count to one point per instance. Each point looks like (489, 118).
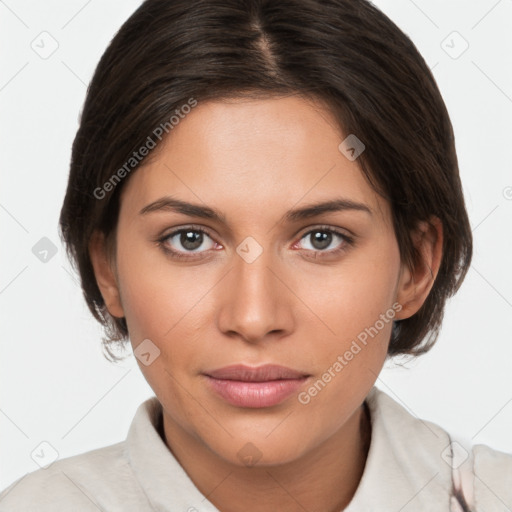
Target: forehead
(250, 156)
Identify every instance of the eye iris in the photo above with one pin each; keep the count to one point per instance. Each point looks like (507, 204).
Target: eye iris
(188, 238)
(323, 238)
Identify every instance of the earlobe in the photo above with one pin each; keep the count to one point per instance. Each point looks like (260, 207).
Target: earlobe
(415, 284)
(105, 275)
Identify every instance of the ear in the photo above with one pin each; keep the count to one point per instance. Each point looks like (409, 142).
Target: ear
(415, 284)
(105, 274)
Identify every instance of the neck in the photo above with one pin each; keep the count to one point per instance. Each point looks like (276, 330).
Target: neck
(326, 478)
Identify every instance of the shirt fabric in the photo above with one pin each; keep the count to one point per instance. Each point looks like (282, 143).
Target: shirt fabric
(407, 469)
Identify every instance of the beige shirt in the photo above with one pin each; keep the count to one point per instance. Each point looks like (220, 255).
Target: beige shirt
(408, 470)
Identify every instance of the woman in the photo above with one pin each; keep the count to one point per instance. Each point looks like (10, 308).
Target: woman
(264, 200)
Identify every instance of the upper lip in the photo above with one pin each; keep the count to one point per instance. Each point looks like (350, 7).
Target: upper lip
(255, 374)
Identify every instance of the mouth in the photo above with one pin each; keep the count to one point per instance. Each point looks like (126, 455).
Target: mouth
(255, 387)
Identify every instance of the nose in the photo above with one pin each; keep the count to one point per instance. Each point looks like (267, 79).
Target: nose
(256, 302)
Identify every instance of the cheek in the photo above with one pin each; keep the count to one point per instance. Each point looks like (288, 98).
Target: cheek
(160, 308)
(353, 297)
(155, 292)
(357, 306)
(166, 304)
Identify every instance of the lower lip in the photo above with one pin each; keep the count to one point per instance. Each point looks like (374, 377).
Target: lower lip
(255, 394)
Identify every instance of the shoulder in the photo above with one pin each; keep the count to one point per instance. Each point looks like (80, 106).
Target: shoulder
(492, 477)
(101, 475)
(422, 447)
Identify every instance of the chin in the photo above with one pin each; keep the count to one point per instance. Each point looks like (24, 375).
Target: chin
(260, 451)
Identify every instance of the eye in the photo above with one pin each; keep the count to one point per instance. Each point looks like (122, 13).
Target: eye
(323, 237)
(186, 240)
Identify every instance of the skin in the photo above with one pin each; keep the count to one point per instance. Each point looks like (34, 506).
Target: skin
(295, 305)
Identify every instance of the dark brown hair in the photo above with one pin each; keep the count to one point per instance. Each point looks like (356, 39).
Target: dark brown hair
(345, 53)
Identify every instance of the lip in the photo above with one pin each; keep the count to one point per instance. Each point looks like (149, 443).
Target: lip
(255, 387)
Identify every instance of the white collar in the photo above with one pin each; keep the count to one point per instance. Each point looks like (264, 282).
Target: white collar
(404, 470)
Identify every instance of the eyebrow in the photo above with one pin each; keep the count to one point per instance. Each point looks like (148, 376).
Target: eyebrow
(169, 203)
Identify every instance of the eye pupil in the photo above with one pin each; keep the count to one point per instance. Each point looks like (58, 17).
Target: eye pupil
(323, 238)
(188, 239)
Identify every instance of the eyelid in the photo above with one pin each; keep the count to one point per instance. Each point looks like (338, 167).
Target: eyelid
(326, 227)
(189, 227)
(319, 227)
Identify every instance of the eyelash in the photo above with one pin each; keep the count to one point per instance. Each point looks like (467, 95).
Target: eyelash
(348, 241)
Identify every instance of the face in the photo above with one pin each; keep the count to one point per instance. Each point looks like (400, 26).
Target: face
(315, 292)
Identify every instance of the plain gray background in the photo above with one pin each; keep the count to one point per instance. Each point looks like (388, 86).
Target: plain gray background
(55, 385)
